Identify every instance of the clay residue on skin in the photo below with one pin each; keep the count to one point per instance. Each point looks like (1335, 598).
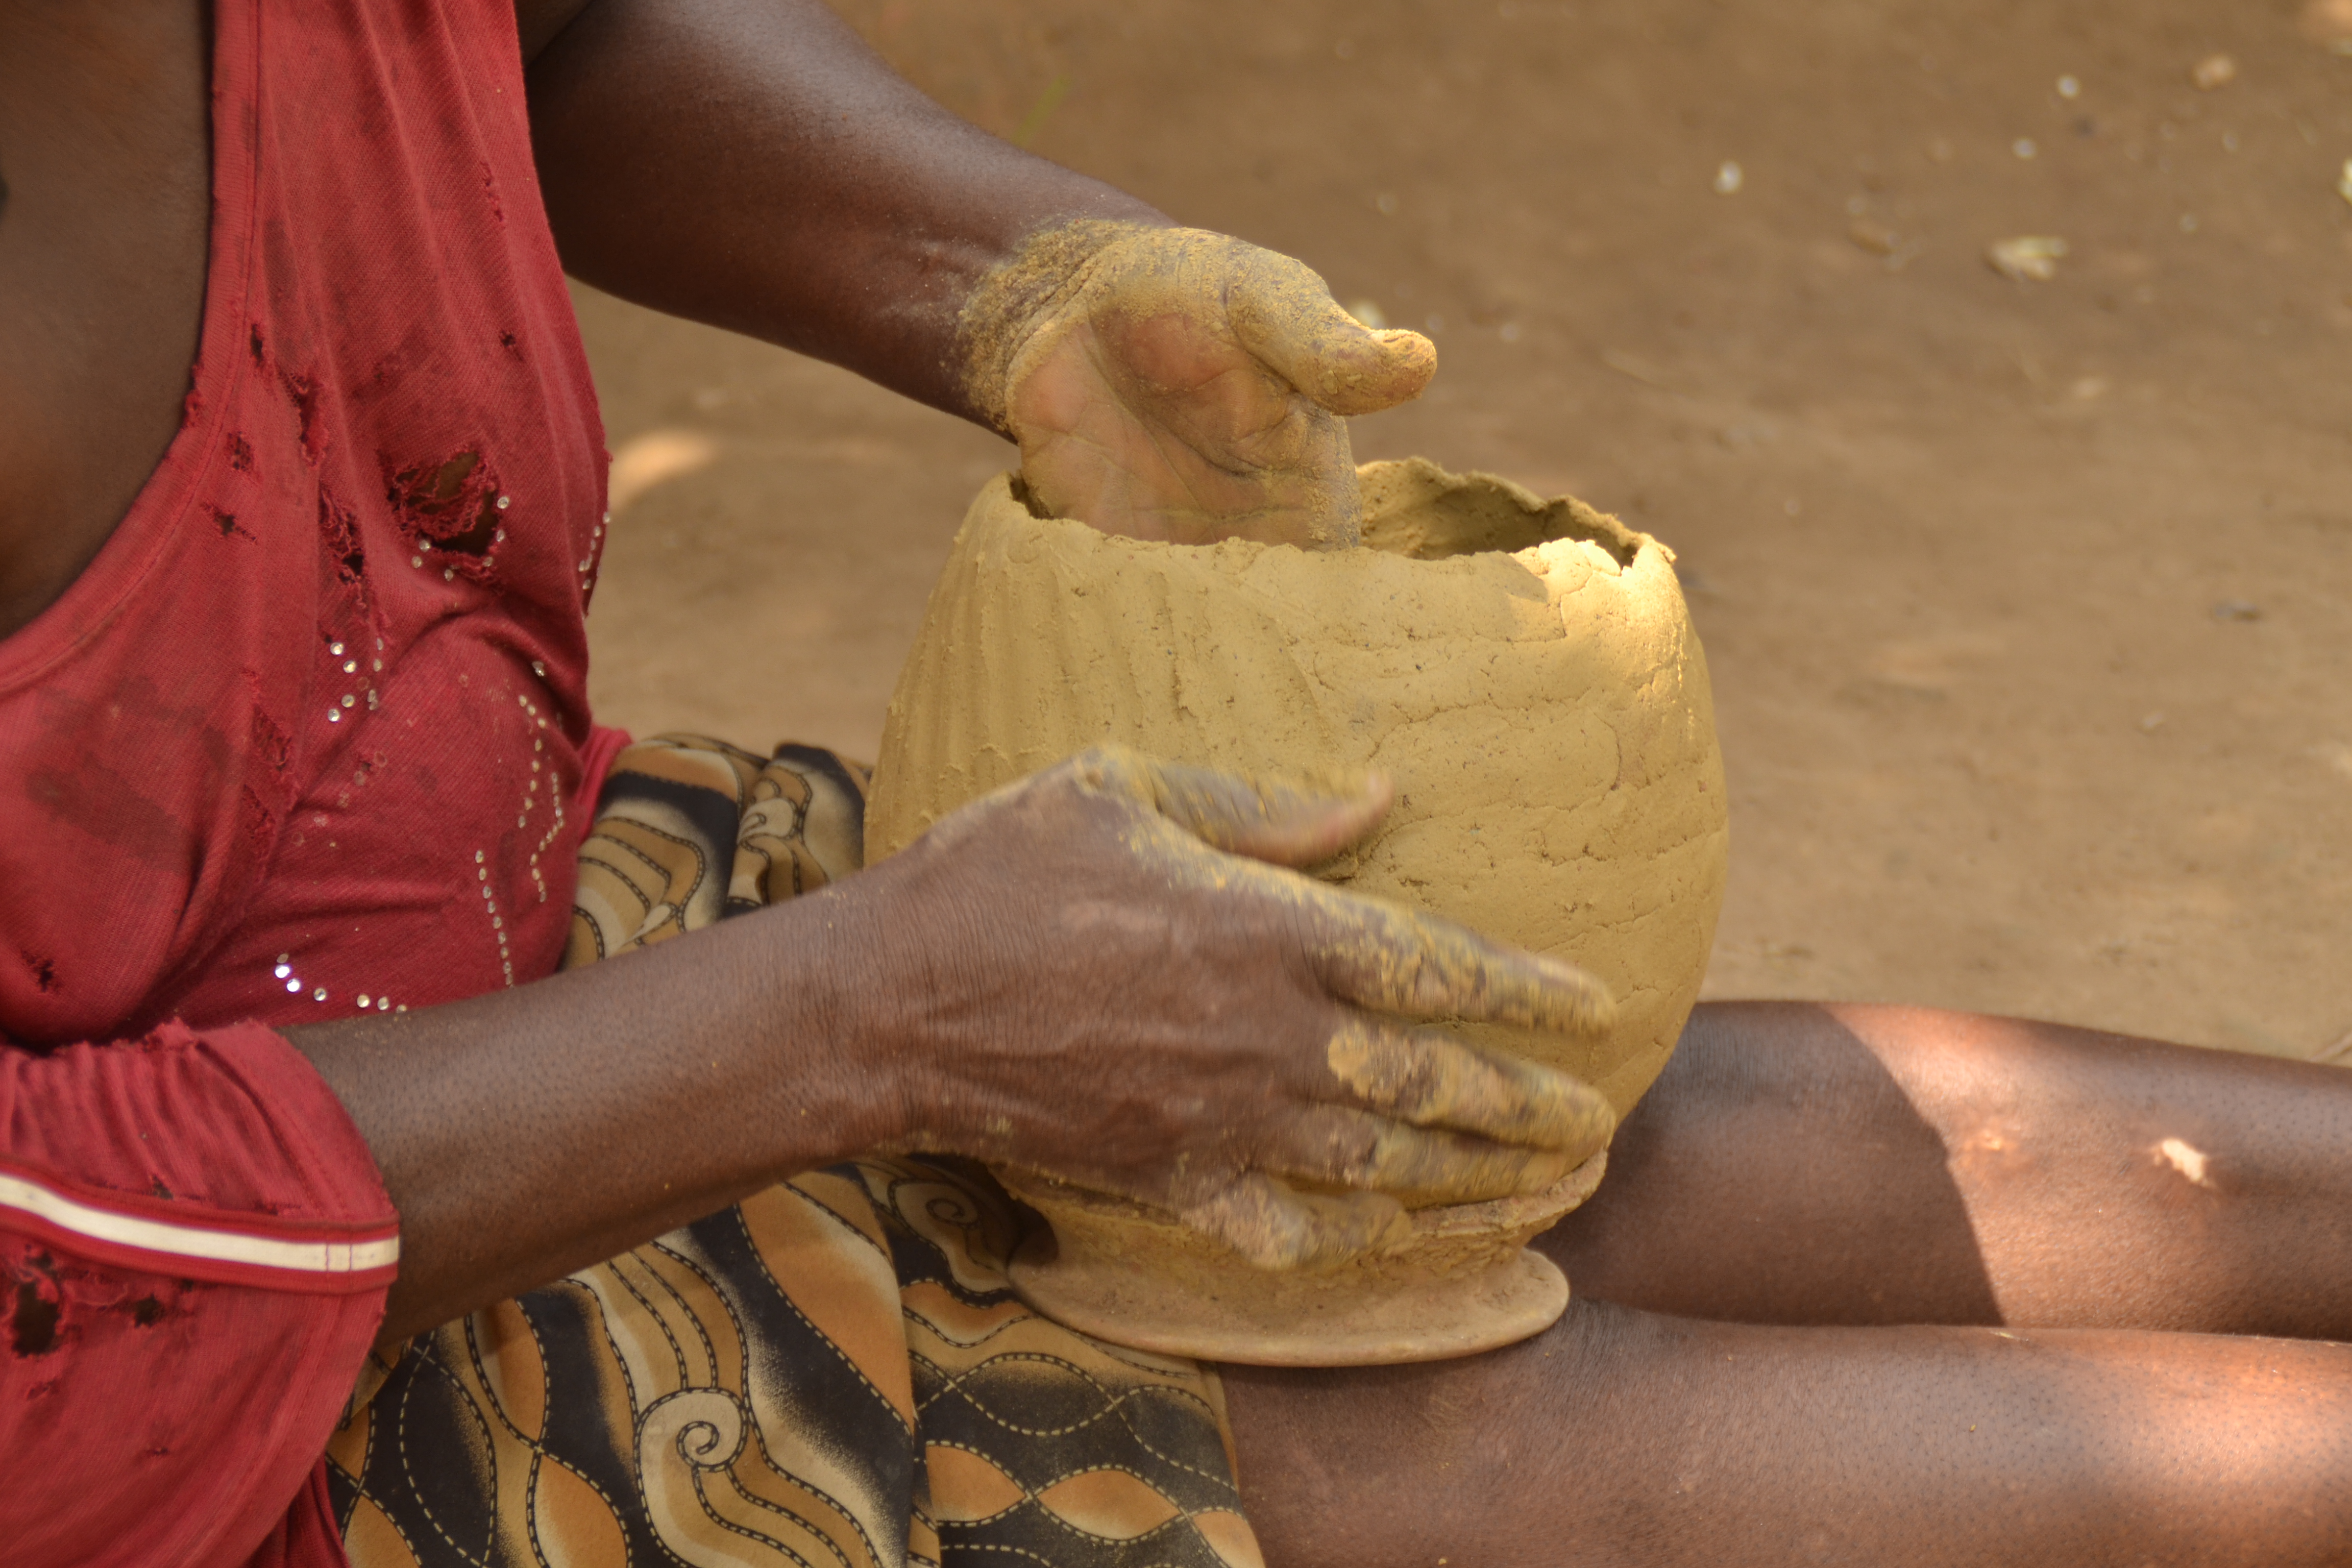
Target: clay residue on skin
(1010, 304)
(1431, 1121)
(1236, 361)
(1397, 960)
(1267, 816)
(1449, 1123)
(1431, 1081)
(1380, 955)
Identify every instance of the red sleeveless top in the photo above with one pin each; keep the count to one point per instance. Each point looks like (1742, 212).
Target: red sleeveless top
(332, 663)
(306, 739)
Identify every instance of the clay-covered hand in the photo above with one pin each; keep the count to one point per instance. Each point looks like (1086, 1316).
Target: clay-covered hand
(1177, 384)
(1104, 974)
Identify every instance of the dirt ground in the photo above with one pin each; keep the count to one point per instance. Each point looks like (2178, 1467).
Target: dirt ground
(2028, 603)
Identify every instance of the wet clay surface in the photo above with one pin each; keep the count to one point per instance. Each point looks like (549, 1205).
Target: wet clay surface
(1543, 719)
(2025, 602)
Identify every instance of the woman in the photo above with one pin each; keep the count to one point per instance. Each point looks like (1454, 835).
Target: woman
(292, 692)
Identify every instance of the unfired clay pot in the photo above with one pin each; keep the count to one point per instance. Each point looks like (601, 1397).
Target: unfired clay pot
(1524, 670)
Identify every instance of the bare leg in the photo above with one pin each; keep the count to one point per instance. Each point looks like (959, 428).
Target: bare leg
(1856, 1166)
(1811, 1164)
(1624, 1438)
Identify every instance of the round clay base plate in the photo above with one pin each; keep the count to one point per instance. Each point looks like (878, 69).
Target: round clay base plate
(1426, 1319)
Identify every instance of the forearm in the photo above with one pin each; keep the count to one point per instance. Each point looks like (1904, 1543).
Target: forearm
(529, 1133)
(752, 164)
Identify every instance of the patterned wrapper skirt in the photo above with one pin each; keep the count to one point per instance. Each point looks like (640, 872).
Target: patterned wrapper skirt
(832, 1374)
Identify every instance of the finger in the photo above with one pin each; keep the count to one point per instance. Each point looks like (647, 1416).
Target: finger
(1376, 955)
(1338, 1146)
(1274, 1228)
(1395, 960)
(1431, 1079)
(1283, 312)
(1286, 821)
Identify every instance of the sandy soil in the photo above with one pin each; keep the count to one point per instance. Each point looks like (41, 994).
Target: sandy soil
(2028, 603)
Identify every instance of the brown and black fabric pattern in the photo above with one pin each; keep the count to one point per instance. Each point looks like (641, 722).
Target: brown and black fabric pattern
(832, 1374)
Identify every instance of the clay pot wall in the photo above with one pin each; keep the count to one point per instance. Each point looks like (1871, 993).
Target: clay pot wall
(1526, 674)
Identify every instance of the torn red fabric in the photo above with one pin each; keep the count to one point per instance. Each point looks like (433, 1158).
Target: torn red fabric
(309, 738)
(178, 1333)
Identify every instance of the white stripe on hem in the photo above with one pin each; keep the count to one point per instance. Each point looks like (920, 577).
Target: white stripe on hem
(192, 1241)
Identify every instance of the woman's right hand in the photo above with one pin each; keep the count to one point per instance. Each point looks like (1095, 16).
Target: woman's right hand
(1105, 974)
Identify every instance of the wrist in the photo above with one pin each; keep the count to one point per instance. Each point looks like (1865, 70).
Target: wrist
(849, 1081)
(1003, 315)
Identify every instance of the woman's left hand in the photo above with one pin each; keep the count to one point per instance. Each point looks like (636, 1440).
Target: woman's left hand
(1179, 385)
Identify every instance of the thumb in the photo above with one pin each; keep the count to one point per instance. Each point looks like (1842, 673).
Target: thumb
(1275, 1227)
(1286, 821)
(1283, 312)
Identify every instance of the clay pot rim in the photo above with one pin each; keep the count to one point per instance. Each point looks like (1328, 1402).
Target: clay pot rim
(1574, 519)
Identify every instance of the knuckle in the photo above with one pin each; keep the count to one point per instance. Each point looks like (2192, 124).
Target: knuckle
(1357, 1149)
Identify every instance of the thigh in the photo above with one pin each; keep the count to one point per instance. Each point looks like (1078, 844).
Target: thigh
(1807, 1163)
(1624, 1438)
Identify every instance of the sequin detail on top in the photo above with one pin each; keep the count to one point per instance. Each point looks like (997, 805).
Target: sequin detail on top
(252, 726)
